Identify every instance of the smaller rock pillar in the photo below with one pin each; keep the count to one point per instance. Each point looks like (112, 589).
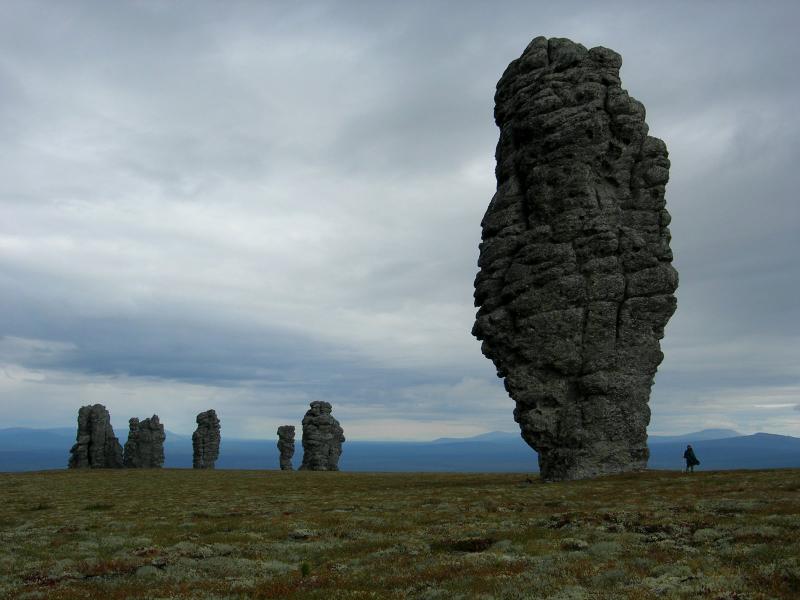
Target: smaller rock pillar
(286, 446)
(96, 446)
(145, 446)
(205, 440)
(322, 439)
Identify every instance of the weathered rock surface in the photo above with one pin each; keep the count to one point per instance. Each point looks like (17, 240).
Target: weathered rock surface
(96, 445)
(286, 446)
(205, 441)
(322, 439)
(575, 284)
(145, 446)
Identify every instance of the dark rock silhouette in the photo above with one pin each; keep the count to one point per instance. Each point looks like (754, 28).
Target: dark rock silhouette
(145, 446)
(322, 439)
(205, 441)
(96, 445)
(575, 284)
(286, 446)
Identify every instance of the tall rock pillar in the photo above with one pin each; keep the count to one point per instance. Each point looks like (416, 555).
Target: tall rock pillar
(145, 446)
(286, 446)
(576, 283)
(96, 446)
(205, 441)
(322, 439)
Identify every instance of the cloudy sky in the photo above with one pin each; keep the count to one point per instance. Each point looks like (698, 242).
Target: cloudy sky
(252, 205)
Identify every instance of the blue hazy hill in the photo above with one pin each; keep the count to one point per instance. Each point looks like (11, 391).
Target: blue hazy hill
(697, 436)
(23, 438)
(492, 436)
(23, 449)
(757, 451)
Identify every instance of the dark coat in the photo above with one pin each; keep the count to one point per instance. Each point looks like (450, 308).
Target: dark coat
(691, 459)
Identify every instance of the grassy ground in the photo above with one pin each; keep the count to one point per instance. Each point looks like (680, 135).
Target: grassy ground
(267, 534)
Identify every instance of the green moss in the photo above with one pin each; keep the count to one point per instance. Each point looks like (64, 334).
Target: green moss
(241, 534)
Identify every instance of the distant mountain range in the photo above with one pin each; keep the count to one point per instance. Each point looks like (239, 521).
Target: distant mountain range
(23, 449)
(505, 436)
(697, 436)
(492, 436)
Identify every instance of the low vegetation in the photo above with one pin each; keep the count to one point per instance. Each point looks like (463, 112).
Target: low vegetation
(270, 534)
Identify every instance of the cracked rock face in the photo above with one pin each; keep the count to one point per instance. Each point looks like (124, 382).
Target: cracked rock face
(576, 284)
(286, 446)
(145, 446)
(96, 445)
(322, 439)
(205, 441)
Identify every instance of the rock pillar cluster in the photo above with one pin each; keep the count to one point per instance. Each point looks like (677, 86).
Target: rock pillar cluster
(576, 284)
(205, 441)
(322, 439)
(145, 446)
(96, 445)
(286, 446)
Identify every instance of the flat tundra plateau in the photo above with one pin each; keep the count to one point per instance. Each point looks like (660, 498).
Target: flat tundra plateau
(268, 534)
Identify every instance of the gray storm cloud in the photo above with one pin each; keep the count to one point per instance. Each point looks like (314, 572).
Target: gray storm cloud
(248, 206)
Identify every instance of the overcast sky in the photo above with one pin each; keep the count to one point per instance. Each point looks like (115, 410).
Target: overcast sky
(248, 206)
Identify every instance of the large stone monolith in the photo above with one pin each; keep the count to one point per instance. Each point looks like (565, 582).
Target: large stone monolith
(145, 446)
(322, 439)
(96, 446)
(286, 446)
(205, 441)
(575, 284)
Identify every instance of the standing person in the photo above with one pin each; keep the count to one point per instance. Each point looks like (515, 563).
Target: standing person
(691, 459)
